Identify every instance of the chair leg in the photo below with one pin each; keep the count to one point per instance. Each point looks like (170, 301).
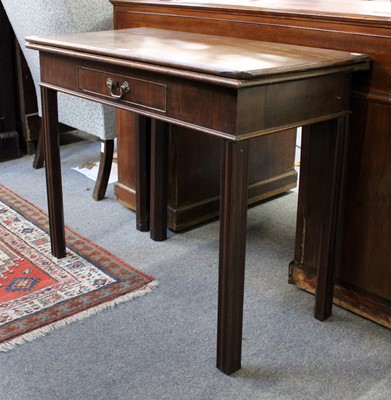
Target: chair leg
(106, 159)
(39, 157)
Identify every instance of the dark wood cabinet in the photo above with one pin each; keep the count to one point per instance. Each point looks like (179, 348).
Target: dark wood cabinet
(193, 186)
(9, 137)
(19, 120)
(193, 195)
(364, 269)
(29, 120)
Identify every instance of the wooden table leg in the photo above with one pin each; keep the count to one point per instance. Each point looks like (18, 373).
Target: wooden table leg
(233, 222)
(143, 160)
(159, 179)
(320, 206)
(105, 162)
(330, 238)
(53, 171)
(39, 151)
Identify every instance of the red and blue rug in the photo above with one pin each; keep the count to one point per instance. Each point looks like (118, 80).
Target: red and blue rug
(39, 292)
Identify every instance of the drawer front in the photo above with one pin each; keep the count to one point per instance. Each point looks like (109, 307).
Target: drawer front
(140, 92)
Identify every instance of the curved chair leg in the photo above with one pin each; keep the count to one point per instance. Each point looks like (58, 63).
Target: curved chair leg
(106, 159)
(39, 157)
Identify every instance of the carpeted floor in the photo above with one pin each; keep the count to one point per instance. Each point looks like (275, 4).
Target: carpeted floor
(162, 346)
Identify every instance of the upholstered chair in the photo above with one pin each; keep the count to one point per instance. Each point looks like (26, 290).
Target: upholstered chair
(42, 17)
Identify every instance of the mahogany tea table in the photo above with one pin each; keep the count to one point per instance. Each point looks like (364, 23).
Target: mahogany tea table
(234, 89)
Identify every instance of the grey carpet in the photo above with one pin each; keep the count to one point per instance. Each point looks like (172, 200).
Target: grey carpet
(162, 345)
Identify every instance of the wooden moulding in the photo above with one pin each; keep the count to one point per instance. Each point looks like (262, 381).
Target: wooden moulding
(355, 300)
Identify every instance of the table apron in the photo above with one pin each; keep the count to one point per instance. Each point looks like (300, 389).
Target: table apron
(232, 113)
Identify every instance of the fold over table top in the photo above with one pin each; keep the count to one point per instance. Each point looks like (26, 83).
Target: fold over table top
(209, 54)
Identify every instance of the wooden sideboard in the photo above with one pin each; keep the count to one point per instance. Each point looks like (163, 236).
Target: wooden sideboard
(364, 270)
(193, 195)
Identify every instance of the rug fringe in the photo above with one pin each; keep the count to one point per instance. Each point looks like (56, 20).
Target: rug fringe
(40, 332)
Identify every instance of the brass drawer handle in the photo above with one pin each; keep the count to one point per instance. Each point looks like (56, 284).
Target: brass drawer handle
(124, 88)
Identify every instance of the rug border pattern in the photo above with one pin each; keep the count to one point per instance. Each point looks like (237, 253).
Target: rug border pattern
(132, 282)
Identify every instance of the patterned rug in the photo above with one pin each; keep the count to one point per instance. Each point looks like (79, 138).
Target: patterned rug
(39, 292)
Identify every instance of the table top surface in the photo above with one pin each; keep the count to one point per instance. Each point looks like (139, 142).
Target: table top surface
(355, 9)
(215, 55)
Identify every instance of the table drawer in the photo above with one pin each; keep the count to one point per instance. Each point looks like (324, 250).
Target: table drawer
(125, 89)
